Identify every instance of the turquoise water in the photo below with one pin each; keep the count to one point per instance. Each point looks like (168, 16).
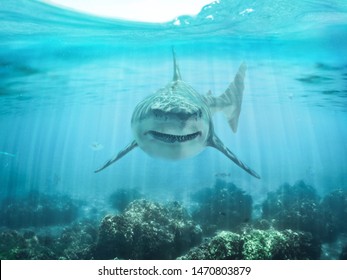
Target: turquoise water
(69, 83)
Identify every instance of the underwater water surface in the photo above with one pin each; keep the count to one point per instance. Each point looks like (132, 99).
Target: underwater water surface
(69, 83)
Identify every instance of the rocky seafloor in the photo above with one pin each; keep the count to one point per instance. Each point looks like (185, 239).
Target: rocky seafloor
(293, 223)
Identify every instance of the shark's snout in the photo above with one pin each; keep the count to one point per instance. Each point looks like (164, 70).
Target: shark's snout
(177, 113)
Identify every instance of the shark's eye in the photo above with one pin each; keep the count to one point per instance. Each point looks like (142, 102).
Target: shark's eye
(157, 113)
(198, 115)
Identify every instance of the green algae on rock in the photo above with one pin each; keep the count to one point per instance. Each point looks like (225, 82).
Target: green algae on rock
(223, 207)
(147, 230)
(257, 245)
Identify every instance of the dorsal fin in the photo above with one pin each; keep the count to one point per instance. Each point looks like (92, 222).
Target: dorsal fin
(177, 73)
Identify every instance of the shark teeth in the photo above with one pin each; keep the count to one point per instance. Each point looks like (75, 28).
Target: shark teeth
(170, 138)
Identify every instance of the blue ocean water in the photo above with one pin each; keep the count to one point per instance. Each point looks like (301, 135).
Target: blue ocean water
(69, 83)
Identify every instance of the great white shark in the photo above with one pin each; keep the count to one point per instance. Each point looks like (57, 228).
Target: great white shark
(176, 121)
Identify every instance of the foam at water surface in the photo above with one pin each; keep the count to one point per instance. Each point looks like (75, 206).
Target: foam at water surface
(135, 10)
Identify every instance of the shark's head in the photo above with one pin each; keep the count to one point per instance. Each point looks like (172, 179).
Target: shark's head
(171, 126)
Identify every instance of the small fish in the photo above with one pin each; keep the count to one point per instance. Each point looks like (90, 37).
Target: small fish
(222, 213)
(7, 154)
(95, 146)
(222, 175)
(53, 181)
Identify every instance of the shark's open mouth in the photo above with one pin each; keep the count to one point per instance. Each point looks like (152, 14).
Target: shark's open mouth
(170, 138)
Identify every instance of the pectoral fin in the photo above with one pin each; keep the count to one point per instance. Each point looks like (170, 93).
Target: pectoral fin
(215, 142)
(122, 153)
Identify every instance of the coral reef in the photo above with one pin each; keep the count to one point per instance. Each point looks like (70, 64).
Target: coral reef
(74, 242)
(147, 230)
(77, 241)
(294, 224)
(298, 207)
(36, 209)
(343, 255)
(223, 207)
(120, 199)
(334, 214)
(23, 246)
(293, 207)
(224, 246)
(254, 244)
(280, 245)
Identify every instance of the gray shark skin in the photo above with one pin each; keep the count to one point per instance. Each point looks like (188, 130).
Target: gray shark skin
(176, 121)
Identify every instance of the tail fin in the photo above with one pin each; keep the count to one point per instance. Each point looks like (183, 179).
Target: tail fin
(232, 98)
(230, 101)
